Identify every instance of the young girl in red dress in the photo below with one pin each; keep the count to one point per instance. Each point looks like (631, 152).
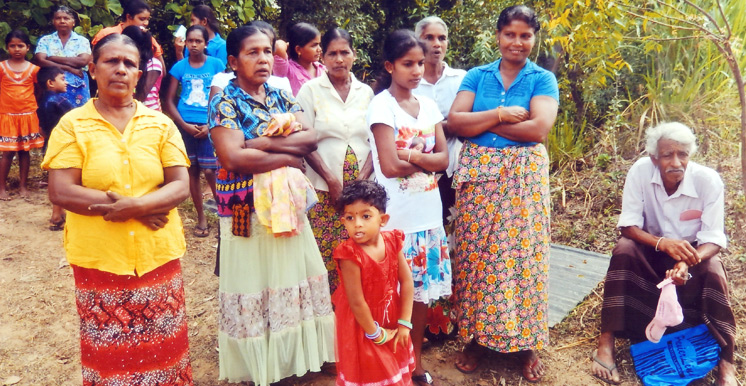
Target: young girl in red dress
(374, 299)
(19, 125)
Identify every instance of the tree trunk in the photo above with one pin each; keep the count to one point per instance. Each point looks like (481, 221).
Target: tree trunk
(733, 63)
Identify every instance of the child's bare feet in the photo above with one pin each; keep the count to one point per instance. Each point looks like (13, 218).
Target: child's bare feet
(4, 196)
(23, 192)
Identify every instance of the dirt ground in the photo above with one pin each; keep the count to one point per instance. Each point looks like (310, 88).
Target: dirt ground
(39, 323)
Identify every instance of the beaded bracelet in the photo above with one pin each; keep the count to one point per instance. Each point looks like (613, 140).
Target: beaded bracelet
(383, 338)
(405, 323)
(376, 334)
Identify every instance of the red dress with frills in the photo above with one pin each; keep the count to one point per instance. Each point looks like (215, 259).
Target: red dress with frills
(360, 362)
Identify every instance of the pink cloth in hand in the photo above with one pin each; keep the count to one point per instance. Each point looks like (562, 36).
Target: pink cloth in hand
(668, 313)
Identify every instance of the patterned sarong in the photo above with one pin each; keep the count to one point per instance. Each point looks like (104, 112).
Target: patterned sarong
(631, 295)
(133, 330)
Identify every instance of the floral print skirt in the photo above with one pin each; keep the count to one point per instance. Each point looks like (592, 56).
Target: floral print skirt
(324, 218)
(502, 246)
(426, 253)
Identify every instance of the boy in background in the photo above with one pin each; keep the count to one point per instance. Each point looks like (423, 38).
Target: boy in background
(52, 106)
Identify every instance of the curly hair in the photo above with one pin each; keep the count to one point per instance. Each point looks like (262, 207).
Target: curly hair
(366, 191)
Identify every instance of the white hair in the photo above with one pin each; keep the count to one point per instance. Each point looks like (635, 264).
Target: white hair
(675, 131)
(422, 24)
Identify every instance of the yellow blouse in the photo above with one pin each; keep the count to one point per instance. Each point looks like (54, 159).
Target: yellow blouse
(129, 163)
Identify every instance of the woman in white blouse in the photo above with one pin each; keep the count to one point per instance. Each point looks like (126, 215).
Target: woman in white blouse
(336, 103)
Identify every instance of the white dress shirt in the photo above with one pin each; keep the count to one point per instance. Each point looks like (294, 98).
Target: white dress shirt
(443, 92)
(695, 212)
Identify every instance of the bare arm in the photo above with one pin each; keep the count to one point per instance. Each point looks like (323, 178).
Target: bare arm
(300, 143)
(354, 291)
(464, 122)
(234, 157)
(42, 60)
(150, 78)
(179, 45)
(214, 90)
(367, 168)
(174, 190)
(406, 291)
(77, 62)
(391, 165)
(542, 114)
(67, 191)
(679, 250)
(432, 162)
(170, 107)
(333, 183)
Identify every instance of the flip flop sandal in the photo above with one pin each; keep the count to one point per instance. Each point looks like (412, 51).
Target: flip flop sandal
(611, 369)
(201, 232)
(424, 379)
(468, 369)
(57, 226)
(527, 372)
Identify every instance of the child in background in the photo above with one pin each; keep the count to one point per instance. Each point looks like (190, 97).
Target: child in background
(195, 74)
(52, 106)
(398, 119)
(148, 88)
(373, 348)
(221, 80)
(298, 60)
(19, 125)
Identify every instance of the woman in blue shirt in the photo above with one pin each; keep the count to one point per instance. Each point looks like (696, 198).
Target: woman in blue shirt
(204, 16)
(504, 110)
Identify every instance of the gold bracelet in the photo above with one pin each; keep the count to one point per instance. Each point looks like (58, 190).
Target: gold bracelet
(410, 155)
(499, 117)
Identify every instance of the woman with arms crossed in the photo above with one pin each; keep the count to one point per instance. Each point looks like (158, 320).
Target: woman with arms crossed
(119, 169)
(276, 316)
(504, 110)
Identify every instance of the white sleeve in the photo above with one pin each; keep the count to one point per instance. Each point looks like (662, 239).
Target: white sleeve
(305, 100)
(380, 110)
(222, 79)
(713, 215)
(633, 198)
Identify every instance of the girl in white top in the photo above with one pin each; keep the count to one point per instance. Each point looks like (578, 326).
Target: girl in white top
(336, 104)
(396, 117)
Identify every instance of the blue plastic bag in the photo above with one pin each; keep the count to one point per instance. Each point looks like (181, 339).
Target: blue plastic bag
(678, 359)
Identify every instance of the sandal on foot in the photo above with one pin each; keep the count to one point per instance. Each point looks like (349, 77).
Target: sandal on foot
(57, 225)
(423, 379)
(611, 369)
(466, 368)
(528, 370)
(201, 232)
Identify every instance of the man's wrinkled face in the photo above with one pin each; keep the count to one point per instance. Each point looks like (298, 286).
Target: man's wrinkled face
(671, 161)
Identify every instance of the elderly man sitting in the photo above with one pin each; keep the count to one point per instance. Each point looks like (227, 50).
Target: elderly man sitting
(672, 226)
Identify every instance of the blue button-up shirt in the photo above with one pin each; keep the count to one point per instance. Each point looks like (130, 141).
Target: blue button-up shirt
(487, 85)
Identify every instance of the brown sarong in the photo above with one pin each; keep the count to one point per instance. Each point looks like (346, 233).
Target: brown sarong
(631, 295)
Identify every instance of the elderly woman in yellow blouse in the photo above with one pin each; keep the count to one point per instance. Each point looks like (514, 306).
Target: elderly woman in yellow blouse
(336, 104)
(120, 169)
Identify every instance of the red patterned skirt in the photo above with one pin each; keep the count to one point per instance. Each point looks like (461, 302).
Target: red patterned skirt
(133, 330)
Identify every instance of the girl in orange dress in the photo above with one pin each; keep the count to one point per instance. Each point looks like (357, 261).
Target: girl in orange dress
(19, 125)
(373, 347)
